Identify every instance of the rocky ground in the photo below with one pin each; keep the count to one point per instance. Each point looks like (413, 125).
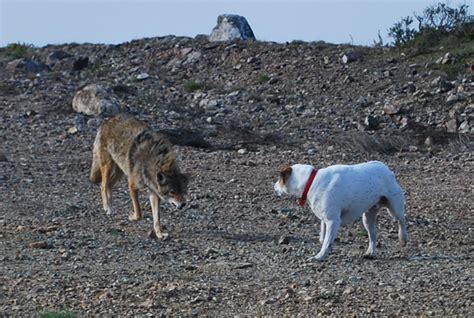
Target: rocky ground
(237, 248)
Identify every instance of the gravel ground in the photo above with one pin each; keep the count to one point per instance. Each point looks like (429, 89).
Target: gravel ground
(236, 249)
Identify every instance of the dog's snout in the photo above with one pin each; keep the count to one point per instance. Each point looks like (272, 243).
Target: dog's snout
(181, 205)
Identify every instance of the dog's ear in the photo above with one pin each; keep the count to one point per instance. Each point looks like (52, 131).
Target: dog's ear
(284, 174)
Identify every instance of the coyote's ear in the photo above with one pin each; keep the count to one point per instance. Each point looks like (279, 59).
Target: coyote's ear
(161, 178)
(168, 162)
(284, 174)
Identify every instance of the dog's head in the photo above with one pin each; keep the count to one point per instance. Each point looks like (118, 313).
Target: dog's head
(172, 183)
(281, 186)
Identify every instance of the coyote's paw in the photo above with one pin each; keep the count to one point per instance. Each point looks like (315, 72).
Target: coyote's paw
(162, 236)
(134, 217)
(109, 211)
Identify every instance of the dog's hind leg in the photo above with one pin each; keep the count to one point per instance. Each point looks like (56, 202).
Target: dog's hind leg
(396, 207)
(368, 219)
(322, 233)
(331, 229)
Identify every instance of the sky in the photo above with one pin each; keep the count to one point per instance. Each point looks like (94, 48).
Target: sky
(42, 22)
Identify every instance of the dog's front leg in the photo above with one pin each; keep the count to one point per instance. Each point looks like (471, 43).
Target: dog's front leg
(369, 223)
(331, 228)
(322, 233)
(155, 208)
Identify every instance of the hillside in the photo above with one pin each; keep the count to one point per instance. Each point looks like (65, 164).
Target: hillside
(238, 112)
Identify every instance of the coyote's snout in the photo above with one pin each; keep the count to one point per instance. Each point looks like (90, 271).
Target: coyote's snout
(125, 145)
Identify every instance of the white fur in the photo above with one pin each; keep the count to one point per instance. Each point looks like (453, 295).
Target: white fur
(340, 194)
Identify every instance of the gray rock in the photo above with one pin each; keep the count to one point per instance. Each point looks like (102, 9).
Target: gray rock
(371, 122)
(465, 127)
(231, 27)
(142, 76)
(444, 86)
(80, 63)
(283, 240)
(453, 98)
(447, 58)
(452, 125)
(56, 56)
(26, 65)
(391, 108)
(349, 56)
(95, 99)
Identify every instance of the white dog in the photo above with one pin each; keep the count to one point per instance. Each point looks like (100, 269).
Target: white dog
(340, 194)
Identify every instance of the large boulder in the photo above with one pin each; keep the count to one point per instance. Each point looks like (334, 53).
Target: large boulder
(231, 27)
(96, 99)
(26, 65)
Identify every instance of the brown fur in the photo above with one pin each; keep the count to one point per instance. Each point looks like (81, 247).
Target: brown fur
(126, 145)
(284, 174)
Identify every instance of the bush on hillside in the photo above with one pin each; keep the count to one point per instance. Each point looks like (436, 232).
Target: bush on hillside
(434, 24)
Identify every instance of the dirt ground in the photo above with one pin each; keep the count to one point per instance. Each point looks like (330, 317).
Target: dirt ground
(223, 256)
(237, 248)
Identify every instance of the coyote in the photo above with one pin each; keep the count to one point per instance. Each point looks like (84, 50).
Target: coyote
(126, 145)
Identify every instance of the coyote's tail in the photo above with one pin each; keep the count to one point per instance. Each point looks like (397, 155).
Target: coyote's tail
(95, 176)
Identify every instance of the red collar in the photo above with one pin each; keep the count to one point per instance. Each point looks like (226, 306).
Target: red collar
(302, 201)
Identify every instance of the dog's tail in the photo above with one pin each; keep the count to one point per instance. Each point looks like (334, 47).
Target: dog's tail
(396, 207)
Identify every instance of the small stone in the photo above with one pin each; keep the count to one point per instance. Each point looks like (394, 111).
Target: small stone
(348, 57)
(73, 130)
(447, 58)
(371, 122)
(391, 109)
(39, 244)
(242, 151)
(348, 291)
(452, 125)
(429, 141)
(142, 76)
(464, 127)
(283, 240)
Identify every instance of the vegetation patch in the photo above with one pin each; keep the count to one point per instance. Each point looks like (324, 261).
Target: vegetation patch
(192, 85)
(57, 314)
(18, 50)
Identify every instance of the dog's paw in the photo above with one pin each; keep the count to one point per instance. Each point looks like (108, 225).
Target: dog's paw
(134, 217)
(315, 258)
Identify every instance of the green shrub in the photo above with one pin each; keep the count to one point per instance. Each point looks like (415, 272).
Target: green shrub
(402, 32)
(18, 50)
(57, 314)
(263, 78)
(434, 24)
(192, 85)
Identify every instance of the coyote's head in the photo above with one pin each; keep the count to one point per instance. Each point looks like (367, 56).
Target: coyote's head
(171, 183)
